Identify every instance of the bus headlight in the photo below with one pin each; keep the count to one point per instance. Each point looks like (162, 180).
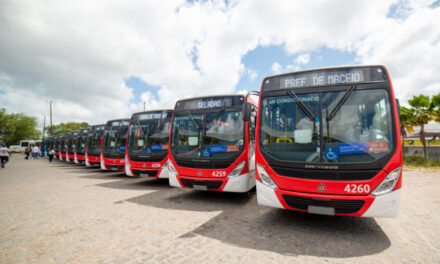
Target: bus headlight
(265, 177)
(171, 168)
(388, 183)
(237, 171)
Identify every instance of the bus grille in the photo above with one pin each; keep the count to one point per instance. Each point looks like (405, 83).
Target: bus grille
(341, 206)
(151, 173)
(203, 165)
(210, 185)
(149, 159)
(330, 175)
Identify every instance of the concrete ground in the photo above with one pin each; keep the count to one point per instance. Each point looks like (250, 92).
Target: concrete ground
(67, 213)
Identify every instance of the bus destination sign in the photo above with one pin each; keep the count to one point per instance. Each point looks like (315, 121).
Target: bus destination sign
(154, 115)
(326, 78)
(209, 102)
(117, 123)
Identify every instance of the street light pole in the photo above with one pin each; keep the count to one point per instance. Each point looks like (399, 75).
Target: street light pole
(51, 114)
(144, 105)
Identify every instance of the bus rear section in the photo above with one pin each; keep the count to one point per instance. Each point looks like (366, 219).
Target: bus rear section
(93, 146)
(70, 148)
(63, 146)
(114, 144)
(80, 146)
(147, 144)
(328, 142)
(212, 144)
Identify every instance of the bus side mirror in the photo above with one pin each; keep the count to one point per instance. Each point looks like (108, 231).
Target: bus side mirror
(246, 111)
(398, 107)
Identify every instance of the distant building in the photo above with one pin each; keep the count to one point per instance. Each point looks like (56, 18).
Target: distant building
(431, 131)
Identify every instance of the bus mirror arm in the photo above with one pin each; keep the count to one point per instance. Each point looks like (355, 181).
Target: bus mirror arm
(246, 111)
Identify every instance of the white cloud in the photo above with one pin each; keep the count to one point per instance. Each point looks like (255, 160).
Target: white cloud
(276, 67)
(303, 59)
(79, 54)
(410, 49)
(251, 74)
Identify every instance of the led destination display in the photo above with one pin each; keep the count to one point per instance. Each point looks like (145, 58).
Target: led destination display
(326, 77)
(209, 103)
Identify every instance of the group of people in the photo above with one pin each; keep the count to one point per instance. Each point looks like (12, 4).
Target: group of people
(5, 153)
(35, 151)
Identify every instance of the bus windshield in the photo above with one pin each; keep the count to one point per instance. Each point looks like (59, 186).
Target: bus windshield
(214, 135)
(94, 143)
(147, 138)
(70, 145)
(115, 139)
(359, 131)
(81, 143)
(63, 145)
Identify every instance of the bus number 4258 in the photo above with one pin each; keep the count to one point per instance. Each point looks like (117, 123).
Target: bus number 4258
(357, 188)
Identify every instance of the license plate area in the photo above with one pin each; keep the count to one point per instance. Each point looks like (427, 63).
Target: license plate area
(199, 187)
(113, 168)
(143, 175)
(321, 210)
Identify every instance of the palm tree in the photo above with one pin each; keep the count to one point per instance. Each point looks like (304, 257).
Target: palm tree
(422, 111)
(406, 123)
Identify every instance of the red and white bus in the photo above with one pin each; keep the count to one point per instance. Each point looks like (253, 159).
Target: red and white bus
(80, 146)
(63, 146)
(57, 146)
(147, 144)
(70, 146)
(328, 142)
(93, 146)
(114, 144)
(212, 144)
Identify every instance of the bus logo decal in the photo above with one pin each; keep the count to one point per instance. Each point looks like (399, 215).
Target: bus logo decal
(321, 187)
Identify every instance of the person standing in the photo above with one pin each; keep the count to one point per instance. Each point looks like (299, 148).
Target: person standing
(51, 153)
(35, 152)
(5, 153)
(27, 152)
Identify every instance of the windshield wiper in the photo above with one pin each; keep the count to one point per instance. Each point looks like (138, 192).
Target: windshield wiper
(341, 102)
(139, 124)
(192, 118)
(219, 113)
(304, 108)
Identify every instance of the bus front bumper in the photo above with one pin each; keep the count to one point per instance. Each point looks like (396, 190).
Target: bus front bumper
(386, 205)
(241, 183)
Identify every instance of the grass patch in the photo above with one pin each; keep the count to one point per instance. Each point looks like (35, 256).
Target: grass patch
(417, 161)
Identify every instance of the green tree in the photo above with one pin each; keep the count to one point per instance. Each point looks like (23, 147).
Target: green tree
(16, 127)
(407, 120)
(68, 127)
(2, 122)
(422, 112)
(435, 106)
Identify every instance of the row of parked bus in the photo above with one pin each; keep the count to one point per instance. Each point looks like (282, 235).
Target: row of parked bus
(322, 141)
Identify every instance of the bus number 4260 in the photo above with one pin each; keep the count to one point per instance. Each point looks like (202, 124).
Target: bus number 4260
(357, 188)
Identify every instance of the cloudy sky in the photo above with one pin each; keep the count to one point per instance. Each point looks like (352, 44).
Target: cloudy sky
(102, 59)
